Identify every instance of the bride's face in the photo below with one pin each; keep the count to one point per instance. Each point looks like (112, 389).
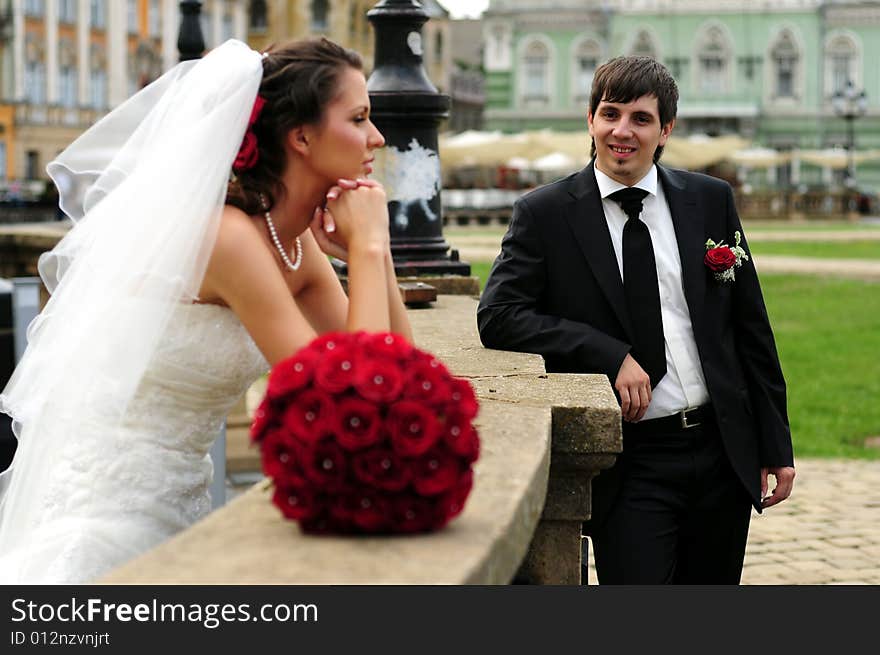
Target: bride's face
(342, 144)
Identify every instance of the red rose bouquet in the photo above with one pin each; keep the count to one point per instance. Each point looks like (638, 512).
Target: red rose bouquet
(363, 433)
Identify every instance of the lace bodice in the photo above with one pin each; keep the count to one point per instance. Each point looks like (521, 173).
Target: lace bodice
(118, 494)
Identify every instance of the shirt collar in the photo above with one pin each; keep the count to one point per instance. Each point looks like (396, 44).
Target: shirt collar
(607, 186)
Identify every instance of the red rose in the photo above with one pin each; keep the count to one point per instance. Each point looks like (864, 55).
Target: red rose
(720, 259)
(464, 398)
(307, 414)
(461, 437)
(259, 102)
(326, 523)
(292, 374)
(413, 427)
(412, 513)
(263, 418)
(280, 458)
(381, 468)
(358, 424)
(451, 504)
(379, 380)
(370, 510)
(335, 370)
(426, 383)
(296, 503)
(385, 344)
(248, 153)
(435, 473)
(323, 463)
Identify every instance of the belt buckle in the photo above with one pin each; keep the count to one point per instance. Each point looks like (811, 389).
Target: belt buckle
(684, 418)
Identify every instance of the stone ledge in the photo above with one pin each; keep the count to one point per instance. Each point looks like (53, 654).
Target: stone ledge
(248, 542)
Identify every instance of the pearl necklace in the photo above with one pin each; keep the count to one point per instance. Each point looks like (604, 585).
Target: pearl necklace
(292, 265)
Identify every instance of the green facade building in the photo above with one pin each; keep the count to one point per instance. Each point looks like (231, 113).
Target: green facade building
(765, 70)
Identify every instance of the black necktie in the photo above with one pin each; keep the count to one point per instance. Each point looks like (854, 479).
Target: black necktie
(641, 287)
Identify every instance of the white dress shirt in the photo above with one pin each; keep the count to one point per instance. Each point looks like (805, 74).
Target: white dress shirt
(683, 386)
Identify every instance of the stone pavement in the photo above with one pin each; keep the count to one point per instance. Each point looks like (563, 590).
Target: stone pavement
(827, 532)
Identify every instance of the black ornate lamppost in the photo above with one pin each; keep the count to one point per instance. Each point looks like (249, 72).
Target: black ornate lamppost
(407, 109)
(850, 103)
(190, 41)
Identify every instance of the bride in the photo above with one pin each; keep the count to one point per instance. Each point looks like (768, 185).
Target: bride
(191, 269)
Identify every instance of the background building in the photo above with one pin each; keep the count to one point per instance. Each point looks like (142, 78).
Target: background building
(767, 71)
(65, 63)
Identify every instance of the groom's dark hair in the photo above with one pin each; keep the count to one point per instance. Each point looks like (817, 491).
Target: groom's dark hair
(624, 79)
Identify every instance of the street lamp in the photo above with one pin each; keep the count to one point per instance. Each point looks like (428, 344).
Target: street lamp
(190, 41)
(850, 104)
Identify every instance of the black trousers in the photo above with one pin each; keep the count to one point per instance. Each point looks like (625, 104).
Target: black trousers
(679, 514)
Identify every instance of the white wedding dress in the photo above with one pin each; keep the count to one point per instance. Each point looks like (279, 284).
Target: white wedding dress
(125, 383)
(116, 495)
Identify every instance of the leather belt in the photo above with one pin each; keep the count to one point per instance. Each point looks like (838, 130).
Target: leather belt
(681, 421)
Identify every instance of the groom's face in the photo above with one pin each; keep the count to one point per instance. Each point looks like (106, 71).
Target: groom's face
(626, 135)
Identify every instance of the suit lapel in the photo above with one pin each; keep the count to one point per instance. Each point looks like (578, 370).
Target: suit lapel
(586, 218)
(690, 232)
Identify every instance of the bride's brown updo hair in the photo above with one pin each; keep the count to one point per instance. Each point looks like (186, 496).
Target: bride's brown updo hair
(299, 79)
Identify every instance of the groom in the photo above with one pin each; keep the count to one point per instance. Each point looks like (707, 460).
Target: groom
(608, 271)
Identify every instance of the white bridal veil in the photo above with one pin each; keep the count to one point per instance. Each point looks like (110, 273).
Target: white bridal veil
(145, 187)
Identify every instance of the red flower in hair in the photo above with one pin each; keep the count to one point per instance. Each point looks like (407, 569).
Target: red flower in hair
(248, 153)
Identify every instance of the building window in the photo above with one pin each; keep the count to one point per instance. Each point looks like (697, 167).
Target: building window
(34, 8)
(32, 165)
(227, 28)
(35, 82)
(132, 17)
(841, 57)
(98, 84)
(154, 18)
(98, 13)
(320, 12)
(713, 59)
(536, 68)
(67, 86)
(67, 11)
(205, 24)
(644, 46)
(586, 60)
(785, 61)
(258, 18)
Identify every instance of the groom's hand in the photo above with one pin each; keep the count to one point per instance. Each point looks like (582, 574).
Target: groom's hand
(784, 482)
(634, 387)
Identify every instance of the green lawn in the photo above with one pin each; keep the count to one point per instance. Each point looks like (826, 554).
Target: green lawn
(826, 249)
(828, 336)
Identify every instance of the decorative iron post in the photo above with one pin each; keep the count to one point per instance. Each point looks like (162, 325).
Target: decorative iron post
(190, 40)
(407, 109)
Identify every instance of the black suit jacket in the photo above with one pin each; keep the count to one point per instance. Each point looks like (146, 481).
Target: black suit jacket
(555, 290)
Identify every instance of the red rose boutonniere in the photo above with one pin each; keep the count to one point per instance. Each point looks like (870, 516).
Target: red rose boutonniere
(363, 433)
(722, 259)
